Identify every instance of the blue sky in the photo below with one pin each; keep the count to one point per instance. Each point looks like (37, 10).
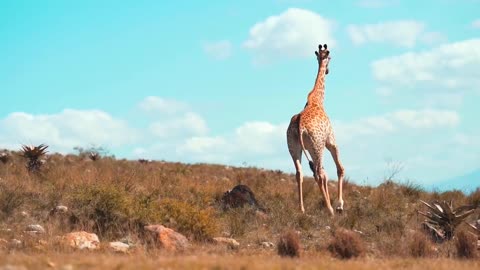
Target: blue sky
(218, 81)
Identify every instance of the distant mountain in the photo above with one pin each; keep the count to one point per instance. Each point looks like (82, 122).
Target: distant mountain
(467, 182)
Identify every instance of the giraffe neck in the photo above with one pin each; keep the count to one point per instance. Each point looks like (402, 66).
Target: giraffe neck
(316, 96)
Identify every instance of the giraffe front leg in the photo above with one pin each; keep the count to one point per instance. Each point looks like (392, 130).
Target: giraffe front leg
(299, 177)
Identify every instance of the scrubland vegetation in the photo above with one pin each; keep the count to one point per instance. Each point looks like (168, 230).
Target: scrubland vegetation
(380, 228)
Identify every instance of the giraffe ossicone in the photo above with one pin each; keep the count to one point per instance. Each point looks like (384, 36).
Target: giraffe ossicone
(311, 131)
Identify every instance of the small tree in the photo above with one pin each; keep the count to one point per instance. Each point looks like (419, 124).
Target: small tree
(93, 152)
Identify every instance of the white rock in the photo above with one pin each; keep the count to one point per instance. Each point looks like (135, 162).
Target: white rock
(267, 244)
(82, 240)
(119, 247)
(229, 241)
(35, 228)
(61, 209)
(15, 243)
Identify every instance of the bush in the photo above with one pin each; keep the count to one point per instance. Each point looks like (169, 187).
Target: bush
(411, 190)
(239, 220)
(11, 198)
(474, 197)
(419, 246)
(466, 245)
(346, 244)
(189, 219)
(289, 244)
(103, 208)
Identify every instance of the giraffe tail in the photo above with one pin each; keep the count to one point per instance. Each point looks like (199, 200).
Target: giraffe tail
(312, 166)
(310, 162)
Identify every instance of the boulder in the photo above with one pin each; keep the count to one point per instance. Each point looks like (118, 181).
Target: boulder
(267, 244)
(34, 229)
(227, 241)
(15, 243)
(59, 209)
(82, 240)
(118, 247)
(167, 238)
(240, 196)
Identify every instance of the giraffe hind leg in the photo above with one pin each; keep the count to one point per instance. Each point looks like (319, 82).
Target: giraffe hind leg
(333, 149)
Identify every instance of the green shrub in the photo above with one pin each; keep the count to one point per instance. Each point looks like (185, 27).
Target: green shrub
(189, 219)
(105, 208)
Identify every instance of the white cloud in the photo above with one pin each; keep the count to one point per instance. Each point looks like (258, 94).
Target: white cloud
(184, 125)
(293, 33)
(65, 130)
(219, 50)
(451, 66)
(249, 140)
(156, 104)
(376, 3)
(396, 121)
(476, 24)
(403, 33)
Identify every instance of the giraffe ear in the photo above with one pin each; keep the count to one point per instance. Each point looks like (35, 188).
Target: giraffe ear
(326, 72)
(316, 53)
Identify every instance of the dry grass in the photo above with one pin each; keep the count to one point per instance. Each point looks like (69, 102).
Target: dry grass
(289, 244)
(114, 198)
(346, 244)
(228, 261)
(420, 246)
(466, 245)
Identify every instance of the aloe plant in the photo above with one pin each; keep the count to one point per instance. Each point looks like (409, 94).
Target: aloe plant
(442, 218)
(33, 155)
(4, 157)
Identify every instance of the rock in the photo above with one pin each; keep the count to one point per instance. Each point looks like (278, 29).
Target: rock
(3, 243)
(34, 229)
(267, 244)
(240, 196)
(59, 209)
(228, 241)
(359, 232)
(15, 243)
(119, 247)
(82, 240)
(168, 238)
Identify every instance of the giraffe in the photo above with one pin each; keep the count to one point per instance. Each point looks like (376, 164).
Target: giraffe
(310, 130)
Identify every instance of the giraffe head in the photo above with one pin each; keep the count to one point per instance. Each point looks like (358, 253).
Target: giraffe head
(323, 54)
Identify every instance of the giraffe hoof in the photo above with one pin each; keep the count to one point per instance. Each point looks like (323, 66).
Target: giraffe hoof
(339, 210)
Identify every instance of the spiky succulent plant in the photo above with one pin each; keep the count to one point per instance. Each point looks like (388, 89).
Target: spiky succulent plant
(4, 157)
(442, 219)
(33, 155)
(94, 155)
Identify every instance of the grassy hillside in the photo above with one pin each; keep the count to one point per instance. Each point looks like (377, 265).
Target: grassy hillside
(115, 198)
